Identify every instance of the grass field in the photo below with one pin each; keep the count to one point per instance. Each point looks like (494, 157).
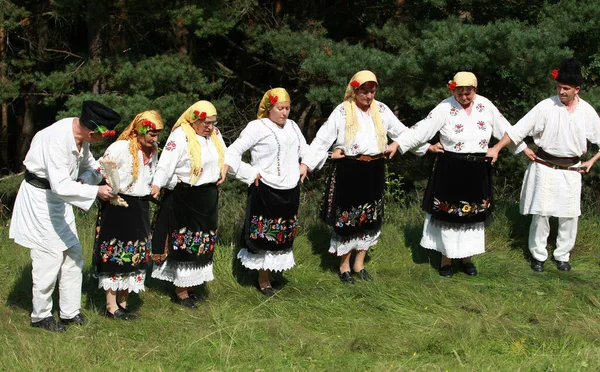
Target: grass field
(507, 318)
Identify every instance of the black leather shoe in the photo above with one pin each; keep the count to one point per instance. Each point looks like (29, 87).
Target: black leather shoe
(78, 319)
(48, 324)
(446, 271)
(125, 309)
(120, 314)
(187, 302)
(196, 297)
(267, 291)
(277, 281)
(563, 265)
(469, 268)
(537, 266)
(364, 275)
(346, 277)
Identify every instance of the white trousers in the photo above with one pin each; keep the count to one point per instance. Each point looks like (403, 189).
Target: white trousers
(46, 268)
(565, 241)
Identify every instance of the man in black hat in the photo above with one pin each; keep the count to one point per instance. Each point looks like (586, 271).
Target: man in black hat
(560, 127)
(60, 172)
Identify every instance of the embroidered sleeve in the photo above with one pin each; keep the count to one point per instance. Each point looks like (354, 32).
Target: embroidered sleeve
(423, 131)
(500, 126)
(247, 139)
(168, 161)
(326, 136)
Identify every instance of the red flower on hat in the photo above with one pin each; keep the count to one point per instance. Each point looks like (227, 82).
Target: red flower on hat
(273, 99)
(451, 85)
(555, 74)
(147, 125)
(354, 84)
(198, 115)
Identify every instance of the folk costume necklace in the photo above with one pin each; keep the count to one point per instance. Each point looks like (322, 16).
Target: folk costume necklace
(279, 145)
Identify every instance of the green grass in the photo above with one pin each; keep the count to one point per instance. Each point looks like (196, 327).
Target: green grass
(507, 318)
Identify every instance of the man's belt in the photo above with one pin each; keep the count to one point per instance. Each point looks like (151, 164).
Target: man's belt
(366, 157)
(39, 182)
(556, 162)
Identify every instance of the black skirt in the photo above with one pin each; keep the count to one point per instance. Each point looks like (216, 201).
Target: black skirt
(122, 236)
(353, 199)
(186, 224)
(460, 188)
(271, 219)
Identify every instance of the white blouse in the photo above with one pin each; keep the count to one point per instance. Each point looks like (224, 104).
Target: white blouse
(275, 153)
(54, 155)
(459, 131)
(558, 131)
(175, 161)
(333, 132)
(119, 152)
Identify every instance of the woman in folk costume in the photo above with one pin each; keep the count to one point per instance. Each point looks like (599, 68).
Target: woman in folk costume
(122, 245)
(353, 202)
(458, 198)
(276, 146)
(185, 233)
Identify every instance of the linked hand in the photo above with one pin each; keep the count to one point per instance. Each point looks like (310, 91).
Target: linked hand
(438, 147)
(530, 154)
(155, 192)
(105, 192)
(258, 177)
(338, 154)
(391, 149)
(303, 172)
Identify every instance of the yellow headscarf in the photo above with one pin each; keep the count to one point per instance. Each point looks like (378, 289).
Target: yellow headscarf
(352, 124)
(465, 79)
(198, 110)
(269, 100)
(130, 134)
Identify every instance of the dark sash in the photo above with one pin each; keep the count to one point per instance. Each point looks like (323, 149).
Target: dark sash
(353, 198)
(460, 188)
(271, 219)
(39, 182)
(186, 224)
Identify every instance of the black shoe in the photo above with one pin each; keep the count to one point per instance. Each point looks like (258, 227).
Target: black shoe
(346, 277)
(469, 268)
(537, 266)
(187, 302)
(277, 281)
(125, 309)
(267, 291)
(48, 324)
(196, 297)
(563, 265)
(446, 271)
(120, 314)
(78, 319)
(364, 275)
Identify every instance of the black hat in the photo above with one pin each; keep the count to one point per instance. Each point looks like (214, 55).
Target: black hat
(570, 72)
(95, 114)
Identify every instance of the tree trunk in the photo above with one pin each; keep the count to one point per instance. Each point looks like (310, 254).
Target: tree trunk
(94, 28)
(4, 122)
(28, 126)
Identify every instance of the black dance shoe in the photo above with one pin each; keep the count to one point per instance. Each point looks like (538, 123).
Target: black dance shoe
(196, 297)
(469, 268)
(563, 265)
(78, 319)
(48, 324)
(267, 291)
(537, 266)
(120, 314)
(346, 277)
(446, 271)
(186, 302)
(364, 275)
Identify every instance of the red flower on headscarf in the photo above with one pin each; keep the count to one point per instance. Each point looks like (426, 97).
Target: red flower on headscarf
(554, 74)
(451, 85)
(198, 115)
(273, 99)
(354, 84)
(109, 133)
(147, 125)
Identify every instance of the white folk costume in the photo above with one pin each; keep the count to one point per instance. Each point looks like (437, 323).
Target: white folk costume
(555, 192)
(459, 194)
(43, 218)
(353, 200)
(122, 246)
(185, 233)
(271, 220)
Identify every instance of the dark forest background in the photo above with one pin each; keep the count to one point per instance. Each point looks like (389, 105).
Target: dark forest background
(167, 54)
